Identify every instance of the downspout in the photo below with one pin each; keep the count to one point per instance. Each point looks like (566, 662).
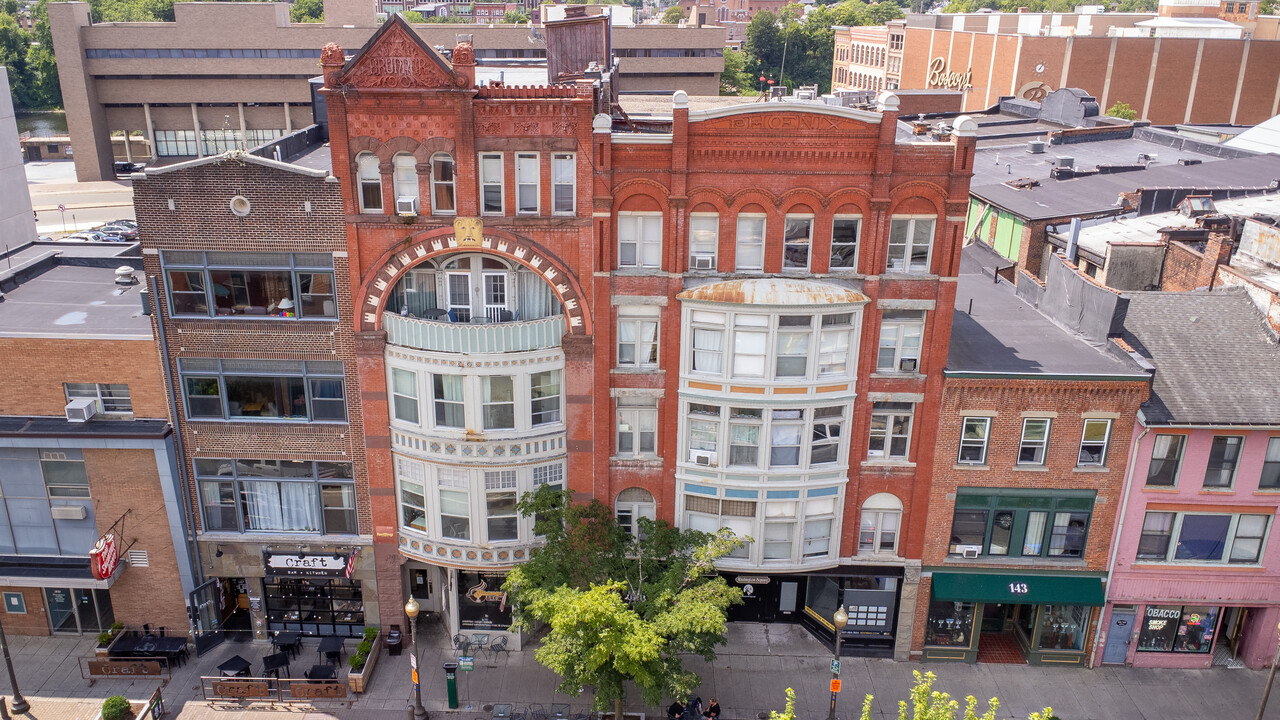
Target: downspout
(1115, 546)
(193, 550)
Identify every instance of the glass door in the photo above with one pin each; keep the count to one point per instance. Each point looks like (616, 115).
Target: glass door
(460, 296)
(61, 606)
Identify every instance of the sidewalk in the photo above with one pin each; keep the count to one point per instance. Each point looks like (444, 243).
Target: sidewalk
(750, 676)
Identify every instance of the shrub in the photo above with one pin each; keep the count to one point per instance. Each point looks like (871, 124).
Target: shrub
(104, 638)
(116, 707)
(371, 632)
(364, 647)
(356, 661)
(116, 627)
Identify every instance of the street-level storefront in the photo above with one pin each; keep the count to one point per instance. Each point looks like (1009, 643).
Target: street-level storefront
(1189, 634)
(988, 615)
(468, 601)
(871, 595)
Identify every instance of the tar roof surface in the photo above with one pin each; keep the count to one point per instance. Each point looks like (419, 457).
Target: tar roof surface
(72, 250)
(72, 301)
(993, 157)
(1217, 363)
(1146, 229)
(1004, 334)
(1099, 193)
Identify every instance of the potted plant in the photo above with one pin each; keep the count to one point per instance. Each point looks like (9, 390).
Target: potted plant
(108, 636)
(362, 661)
(117, 707)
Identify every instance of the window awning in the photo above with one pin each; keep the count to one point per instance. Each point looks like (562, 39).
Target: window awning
(1024, 587)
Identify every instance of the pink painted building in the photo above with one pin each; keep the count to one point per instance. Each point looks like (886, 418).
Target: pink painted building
(1195, 576)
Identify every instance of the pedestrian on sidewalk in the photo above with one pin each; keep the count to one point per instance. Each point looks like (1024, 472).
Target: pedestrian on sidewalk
(713, 710)
(676, 711)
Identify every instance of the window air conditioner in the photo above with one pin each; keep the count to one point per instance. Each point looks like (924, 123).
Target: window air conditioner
(969, 551)
(68, 512)
(81, 409)
(703, 457)
(704, 261)
(406, 206)
(907, 364)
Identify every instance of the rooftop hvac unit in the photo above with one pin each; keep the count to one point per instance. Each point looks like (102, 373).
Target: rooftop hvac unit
(68, 512)
(81, 409)
(406, 206)
(1035, 147)
(1066, 162)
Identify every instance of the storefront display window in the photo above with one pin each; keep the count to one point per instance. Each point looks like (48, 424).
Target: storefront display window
(315, 606)
(949, 624)
(1062, 627)
(482, 604)
(1177, 629)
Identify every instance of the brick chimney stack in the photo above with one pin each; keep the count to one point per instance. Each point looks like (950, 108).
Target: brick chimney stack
(1217, 251)
(331, 61)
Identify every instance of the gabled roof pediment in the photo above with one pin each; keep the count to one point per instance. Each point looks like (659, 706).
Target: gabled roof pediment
(394, 58)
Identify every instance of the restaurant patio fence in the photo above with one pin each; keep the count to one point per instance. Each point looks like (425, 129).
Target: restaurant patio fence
(271, 690)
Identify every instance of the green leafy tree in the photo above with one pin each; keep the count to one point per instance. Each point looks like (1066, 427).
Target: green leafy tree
(790, 712)
(515, 17)
(14, 46)
(620, 609)
(413, 16)
(929, 704)
(1122, 110)
(734, 80)
(9, 7)
(1268, 7)
(306, 11)
(796, 49)
(672, 16)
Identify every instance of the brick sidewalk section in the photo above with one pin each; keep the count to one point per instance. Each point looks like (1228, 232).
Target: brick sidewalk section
(750, 676)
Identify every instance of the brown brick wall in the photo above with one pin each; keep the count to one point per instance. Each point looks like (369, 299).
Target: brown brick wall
(35, 621)
(123, 481)
(35, 386)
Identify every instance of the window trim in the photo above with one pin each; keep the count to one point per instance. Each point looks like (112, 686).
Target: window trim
(398, 164)
(808, 243)
(1235, 464)
(362, 182)
(297, 266)
(886, 454)
(903, 324)
(981, 443)
(1106, 442)
(714, 217)
(1042, 444)
(638, 322)
(1179, 443)
(909, 246)
(501, 182)
(315, 479)
(572, 159)
(637, 409)
(857, 242)
(1051, 505)
(738, 242)
(219, 376)
(536, 159)
(1270, 467)
(452, 184)
(636, 218)
(1175, 535)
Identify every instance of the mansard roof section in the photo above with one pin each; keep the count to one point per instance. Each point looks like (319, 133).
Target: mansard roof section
(396, 58)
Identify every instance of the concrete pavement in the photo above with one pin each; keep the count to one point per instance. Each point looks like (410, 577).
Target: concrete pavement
(750, 676)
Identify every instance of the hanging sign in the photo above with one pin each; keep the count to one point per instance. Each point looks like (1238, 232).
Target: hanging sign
(104, 557)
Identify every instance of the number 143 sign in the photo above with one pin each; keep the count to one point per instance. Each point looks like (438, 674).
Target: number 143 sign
(1018, 588)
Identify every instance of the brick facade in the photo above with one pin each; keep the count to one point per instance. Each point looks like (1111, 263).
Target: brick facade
(36, 388)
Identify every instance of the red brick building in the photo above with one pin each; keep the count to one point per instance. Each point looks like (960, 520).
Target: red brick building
(733, 317)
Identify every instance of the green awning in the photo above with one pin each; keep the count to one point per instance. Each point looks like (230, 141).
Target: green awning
(1024, 587)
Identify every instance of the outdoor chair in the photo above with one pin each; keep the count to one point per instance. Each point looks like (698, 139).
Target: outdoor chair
(500, 646)
(462, 643)
(536, 711)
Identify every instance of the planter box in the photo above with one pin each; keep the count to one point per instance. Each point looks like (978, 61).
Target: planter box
(101, 651)
(357, 681)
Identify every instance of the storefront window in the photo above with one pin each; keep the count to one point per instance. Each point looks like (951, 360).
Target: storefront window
(950, 623)
(1062, 627)
(1177, 629)
(482, 605)
(315, 606)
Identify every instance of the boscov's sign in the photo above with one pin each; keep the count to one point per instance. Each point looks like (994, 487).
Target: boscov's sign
(939, 77)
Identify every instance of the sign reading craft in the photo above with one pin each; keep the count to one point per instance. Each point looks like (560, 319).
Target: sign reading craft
(941, 77)
(305, 564)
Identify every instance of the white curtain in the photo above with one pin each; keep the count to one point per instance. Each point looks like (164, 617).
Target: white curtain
(299, 507)
(536, 299)
(276, 506)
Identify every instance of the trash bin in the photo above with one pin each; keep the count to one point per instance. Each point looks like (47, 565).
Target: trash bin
(395, 640)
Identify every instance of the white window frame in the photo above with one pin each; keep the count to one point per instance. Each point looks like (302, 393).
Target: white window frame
(485, 181)
(364, 161)
(1041, 445)
(523, 160)
(412, 400)
(839, 330)
(404, 176)
(558, 161)
(857, 242)
(977, 442)
(501, 482)
(637, 414)
(437, 183)
(877, 521)
(638, 324)
(905, 323)
(455, 482)
(739, 243)
(1175, 535)
(648, 248)
(1106, 442)
(1176, 442)
(905, 264)
(886, 453)
(807, 242)
(704, 241)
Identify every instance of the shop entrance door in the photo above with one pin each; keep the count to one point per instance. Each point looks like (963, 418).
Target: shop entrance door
(78, 610)
(206, 604)
(1119, 633)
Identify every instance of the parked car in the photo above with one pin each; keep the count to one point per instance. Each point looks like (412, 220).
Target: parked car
(124, 168)
(124, 231)
(93, 236)
(126, 222)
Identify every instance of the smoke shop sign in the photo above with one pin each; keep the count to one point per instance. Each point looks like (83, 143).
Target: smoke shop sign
(939, 77)
(304, 565)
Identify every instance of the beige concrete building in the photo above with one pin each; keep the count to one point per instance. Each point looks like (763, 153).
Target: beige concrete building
(223, 74)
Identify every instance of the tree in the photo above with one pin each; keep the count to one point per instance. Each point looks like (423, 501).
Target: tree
(1122, 110)
(413, 16)
(620, 609)
(673, 15)
(515, 17)
(734, 80)
(790, 712)
(1267, 7)
(306, 11)
(929, 704)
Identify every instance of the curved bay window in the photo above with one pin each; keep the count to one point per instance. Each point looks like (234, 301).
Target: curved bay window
(473, 288)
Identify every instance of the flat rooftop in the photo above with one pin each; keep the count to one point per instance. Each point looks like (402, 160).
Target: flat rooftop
(70, 301)
(1146, 229)
(34, 250)
(998, 161)
(1000, 333)
(660, 105)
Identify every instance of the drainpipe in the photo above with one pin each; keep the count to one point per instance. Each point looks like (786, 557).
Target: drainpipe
(1115, 546)
(193, 550)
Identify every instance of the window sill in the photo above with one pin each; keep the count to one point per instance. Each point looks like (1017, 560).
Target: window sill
(1014, 561)
(897, 376)
(258, 536)
(1217, 491)
(1029, 468)
(1159, 489)
(1169, 564)
(648, 370)
(887, 464)
(646, 461)
(1267, 491)
(640, 272)
(971, 466)
(1091, 469)
(267, 421)
(906, 275)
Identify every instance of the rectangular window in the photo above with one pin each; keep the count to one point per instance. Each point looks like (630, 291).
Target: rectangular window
(1157, 531)
(1166, 457)
(263, 390)
(338, 505)
(1202, 537)
(1093, 442)
(704, 240)
(404, 395)
(833, 344)
(370, 183)
(1223, 457)
(455, 505)
(901, 332)
(1246, 545)
(1002, 533)
(187, 293)
(637, 342)
(778, 538)
(491, 184)
(257, 495)
(708, 350)
(1021, 523)
(878, 532)
(844, 242)
(564, 183)
(1270, 479)
(500, 505)
(827, 426)
(447, 395)
(910, 244)
(704, 433)
(744, 436)
(1066, 539)
(113, 398)
(637, 428)
(797, 239)
(973, 441)
(968, 530)
(639, 240)
(750, 243)
(528, 172)
(1173, 628)
(750, 338)
(251, 285)
(544, 397)
(499, 405)
(413, 497)
(890, 430)
(1033, 538)
(1034, 442)
(791, 354)
(785, 431)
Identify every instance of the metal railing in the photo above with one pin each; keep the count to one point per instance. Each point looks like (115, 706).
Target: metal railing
(444, 336)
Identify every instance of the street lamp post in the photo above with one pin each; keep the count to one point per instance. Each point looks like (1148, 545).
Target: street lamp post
(411, 609)
(1271, 676)
(19, 704)
(841, 618)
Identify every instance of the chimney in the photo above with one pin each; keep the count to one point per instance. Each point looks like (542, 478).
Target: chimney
(1217, 251)
(464, 59)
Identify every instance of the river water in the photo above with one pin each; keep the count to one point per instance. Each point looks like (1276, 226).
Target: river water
(42, 124)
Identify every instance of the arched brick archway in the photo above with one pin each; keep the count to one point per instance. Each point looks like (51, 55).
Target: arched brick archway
(413, 251)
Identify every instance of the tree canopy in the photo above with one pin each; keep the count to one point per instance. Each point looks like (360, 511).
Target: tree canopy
(515, 17)
(1122, 110)
(672, 16)
(306, 11)
(620, 608)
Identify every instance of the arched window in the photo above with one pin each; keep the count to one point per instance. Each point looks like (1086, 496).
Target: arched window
(631, 505)
(370, 179)
(881, 519)
(406, 183)
(442, 184)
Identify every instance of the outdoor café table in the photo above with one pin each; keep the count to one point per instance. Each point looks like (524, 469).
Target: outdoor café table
(560, 711)
(273, 663)
(171, 648)
(235, 667)
(125, 646)
(501, 710)
(331, 648)
(286, 641)
(321, 672)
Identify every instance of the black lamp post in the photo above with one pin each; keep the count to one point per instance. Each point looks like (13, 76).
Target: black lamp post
(19, 704)
(411, 609)
(840, 619)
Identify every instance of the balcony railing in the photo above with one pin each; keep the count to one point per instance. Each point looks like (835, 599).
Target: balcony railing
(444, 336)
